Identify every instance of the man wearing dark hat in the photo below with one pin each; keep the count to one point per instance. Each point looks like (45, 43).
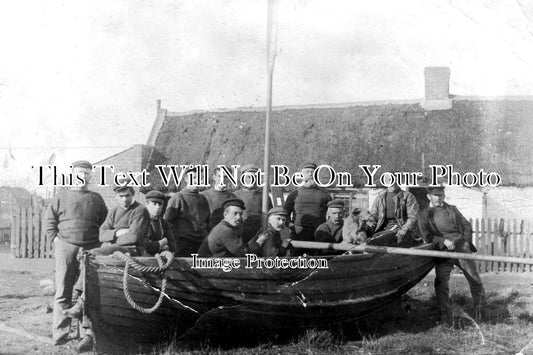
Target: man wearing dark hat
(225, 239)
(331, 230)
(216, 196)
(125, 225)
(394, 211)
(72, 221)
(307, 205)
(274, 245)
(253, 200)
(188, 214)
(444, 226)
(158, 236)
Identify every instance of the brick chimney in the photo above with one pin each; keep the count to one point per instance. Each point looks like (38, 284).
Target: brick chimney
(437, 88)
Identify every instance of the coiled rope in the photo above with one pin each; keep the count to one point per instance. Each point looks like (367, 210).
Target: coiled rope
(144, 268)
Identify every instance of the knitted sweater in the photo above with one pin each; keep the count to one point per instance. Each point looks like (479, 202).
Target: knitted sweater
(308, 206)
(135, 218)
(75, 216)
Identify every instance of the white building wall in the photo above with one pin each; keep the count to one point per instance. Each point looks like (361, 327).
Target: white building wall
(469, 201)
(510, 203)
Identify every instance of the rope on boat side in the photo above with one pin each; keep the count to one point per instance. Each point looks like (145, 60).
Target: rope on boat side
(143, 268)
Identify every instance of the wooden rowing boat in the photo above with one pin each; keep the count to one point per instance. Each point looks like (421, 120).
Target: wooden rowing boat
(351, 287)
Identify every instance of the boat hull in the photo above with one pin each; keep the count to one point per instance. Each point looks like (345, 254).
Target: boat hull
(351, 287)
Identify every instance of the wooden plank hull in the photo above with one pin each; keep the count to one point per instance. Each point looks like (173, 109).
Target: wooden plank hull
(351, 287)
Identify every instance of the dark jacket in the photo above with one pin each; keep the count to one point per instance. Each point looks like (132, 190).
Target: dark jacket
(188, 215)
(224, 241)
(157, 230)
(432, 235)
(328, 232)
(273, 245)
(405, 207)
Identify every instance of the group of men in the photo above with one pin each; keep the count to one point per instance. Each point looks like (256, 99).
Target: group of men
(78, 220)
(219, 223)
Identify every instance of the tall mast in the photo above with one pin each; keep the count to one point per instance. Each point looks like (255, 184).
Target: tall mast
(272, 8)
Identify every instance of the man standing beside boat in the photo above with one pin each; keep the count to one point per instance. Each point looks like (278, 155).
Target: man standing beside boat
(253, 200)
(307, 206)
(224, 240)
(72, 221)
(394, 211)
(444, 226)
(188, 215)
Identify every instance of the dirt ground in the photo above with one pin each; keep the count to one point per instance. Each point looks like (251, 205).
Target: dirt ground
(25, 316)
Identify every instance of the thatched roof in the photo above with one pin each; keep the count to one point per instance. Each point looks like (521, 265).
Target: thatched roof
(489, 134)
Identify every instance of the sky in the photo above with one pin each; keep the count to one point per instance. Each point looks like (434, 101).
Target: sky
(80, 80)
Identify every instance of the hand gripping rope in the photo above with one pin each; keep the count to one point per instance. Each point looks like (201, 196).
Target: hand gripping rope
(144, 268)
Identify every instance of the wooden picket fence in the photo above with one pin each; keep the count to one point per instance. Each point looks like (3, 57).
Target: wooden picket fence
(503, 238)
(28, 239)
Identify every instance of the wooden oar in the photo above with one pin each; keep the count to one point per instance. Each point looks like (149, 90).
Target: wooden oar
(404, 251)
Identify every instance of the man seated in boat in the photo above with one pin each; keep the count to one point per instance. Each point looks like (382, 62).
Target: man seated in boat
(224, 240)
(307, 206)
(444, 226)
(253, 200)
(158, 236)
(331, 230)
(188, 214)
(275, 244)
(393, 216)
(125, 225)
(216, 196)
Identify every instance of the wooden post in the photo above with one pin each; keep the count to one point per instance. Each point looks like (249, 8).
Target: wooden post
(29, 232)
(497, 251)
(529, 239)
(17, 231)
(42, 235)
(36, 228)
(482, 244)
(23, 233)
(515, 245)
(475, 236)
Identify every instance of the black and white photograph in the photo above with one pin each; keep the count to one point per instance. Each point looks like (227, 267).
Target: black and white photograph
(266, 177)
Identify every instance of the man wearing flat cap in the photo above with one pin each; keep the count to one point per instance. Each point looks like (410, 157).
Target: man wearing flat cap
(395, 212)
(307, 205)
(253, 200)
(216, 196)
(444, 226)
(125, 225)
(331, 230)
(188, 214)
(274, 244)
(225, 239)
(72, 221)
(158, 236)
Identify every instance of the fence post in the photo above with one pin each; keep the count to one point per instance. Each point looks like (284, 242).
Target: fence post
(476, 241)
(483, 239)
